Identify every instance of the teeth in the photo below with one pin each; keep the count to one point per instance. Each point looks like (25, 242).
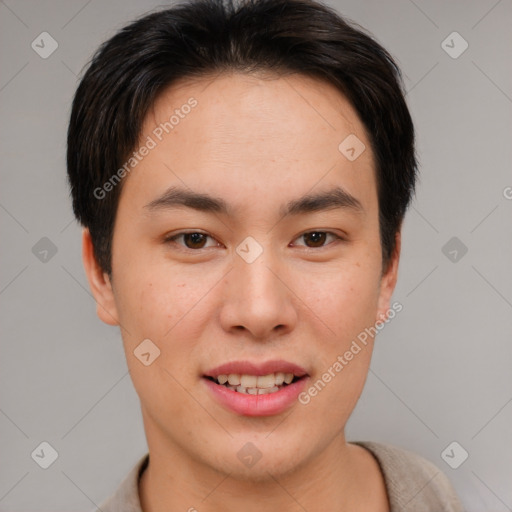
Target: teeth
(234, 379)
(267, 391)
(255, 385)
(254, 391)
(266, 381)
(248, 381)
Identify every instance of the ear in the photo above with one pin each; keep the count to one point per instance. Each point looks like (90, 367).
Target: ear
(99, 282)
(388, 281)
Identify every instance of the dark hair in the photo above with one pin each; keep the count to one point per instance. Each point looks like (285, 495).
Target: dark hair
(201, 37)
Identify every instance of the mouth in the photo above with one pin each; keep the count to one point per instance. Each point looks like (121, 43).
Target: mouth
(256, 385)
(256, 389)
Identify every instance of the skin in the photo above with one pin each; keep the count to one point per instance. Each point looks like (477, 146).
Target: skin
(256, 142)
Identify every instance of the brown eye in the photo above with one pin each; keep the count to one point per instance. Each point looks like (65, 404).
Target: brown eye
(317, 239)
(192, 240)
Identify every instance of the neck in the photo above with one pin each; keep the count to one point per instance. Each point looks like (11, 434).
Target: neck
(342, 477)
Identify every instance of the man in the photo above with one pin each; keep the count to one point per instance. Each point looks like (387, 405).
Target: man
(242, 173)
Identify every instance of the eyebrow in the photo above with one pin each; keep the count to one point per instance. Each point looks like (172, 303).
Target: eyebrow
(331, 199)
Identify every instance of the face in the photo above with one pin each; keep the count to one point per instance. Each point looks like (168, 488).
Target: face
(273, 275)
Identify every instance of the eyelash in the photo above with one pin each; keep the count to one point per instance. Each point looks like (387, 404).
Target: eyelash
(173, 238)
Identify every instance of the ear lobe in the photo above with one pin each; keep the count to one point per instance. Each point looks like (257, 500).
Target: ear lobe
(388, 280)
(99, 282)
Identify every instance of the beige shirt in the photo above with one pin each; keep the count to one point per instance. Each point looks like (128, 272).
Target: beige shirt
(413, 484)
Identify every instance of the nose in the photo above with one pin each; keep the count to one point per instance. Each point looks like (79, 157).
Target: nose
(258, 298)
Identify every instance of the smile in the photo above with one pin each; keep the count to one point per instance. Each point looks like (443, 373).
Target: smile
(254, 385)
(255, 390)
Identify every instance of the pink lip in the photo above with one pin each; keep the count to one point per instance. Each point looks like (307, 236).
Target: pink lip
(258, 369)
(257, 405)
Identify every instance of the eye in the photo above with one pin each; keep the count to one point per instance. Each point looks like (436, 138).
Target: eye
(318, 238)
(196, 240)
(191, 240)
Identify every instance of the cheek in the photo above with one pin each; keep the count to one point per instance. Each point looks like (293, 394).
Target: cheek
(170, 309)
(161, 311)
(344, 299)
(150, 297)
(153, 308)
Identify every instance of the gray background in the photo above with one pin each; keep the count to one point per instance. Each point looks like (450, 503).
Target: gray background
(441, 368)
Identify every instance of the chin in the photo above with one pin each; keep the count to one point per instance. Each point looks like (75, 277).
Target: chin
(259, 460)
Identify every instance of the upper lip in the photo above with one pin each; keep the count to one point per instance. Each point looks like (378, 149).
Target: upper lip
(258, 369)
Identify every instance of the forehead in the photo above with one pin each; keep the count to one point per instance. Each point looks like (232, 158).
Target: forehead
(254, 109)
(252, 134)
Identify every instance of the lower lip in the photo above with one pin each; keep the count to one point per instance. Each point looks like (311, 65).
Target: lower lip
(257, 405)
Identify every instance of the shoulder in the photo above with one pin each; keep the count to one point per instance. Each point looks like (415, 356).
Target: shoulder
(126, 496)
(412, 482)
